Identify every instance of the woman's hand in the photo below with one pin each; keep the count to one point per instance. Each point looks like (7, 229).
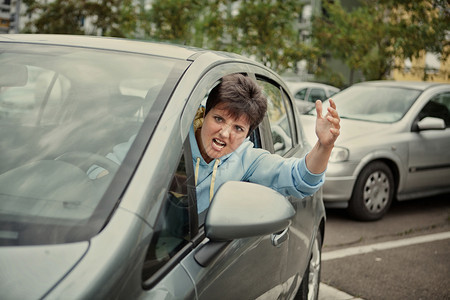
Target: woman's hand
(327, 131)
(328, 126)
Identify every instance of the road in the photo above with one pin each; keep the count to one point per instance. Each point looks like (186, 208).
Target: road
(406, 255)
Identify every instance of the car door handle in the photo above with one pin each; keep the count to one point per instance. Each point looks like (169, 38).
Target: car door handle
(280, 237)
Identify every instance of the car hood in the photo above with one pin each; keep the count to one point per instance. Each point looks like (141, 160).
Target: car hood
(29, 272)
(350, 129)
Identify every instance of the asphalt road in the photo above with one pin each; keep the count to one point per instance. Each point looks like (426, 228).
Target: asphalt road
(406, 255)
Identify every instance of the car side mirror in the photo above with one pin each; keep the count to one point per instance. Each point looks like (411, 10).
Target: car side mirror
(430, 123)
(243, 209)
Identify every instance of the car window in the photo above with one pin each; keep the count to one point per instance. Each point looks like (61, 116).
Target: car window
(374, 103)
(278, 118)
(174, 226)
(331, 92)
(316, 94)
(68, 118)
(437, 107)
(301, 94)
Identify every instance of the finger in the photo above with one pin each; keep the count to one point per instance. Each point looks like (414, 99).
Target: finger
(335, 132)
(334, 121)
(319, 108)
(333, 112)
(332, 103)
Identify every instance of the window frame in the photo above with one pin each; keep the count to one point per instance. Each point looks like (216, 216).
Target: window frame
(436, 98)
(289, 111)
(196, 232)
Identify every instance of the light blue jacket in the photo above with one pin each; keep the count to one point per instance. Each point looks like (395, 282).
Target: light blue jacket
(289, 177)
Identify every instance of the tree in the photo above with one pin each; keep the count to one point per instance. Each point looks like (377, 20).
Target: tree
(266, 30)
(369, 37)
(212, 29)
(112, 17)
(262, 29)
(108, 17)
(59, 16)
(172, 20)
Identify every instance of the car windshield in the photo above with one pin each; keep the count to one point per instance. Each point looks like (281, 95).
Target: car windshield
(63, 113)
(374, 103)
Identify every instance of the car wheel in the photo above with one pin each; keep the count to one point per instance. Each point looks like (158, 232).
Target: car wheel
(373, 193)
(309, 288)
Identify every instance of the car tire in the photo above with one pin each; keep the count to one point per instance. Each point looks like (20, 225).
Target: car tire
(309, 288)
(373, 192)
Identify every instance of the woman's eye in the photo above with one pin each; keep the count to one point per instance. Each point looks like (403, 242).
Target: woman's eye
(218, 119)
(239, 128)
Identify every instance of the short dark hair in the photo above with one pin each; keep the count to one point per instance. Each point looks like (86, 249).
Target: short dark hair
(241, 96)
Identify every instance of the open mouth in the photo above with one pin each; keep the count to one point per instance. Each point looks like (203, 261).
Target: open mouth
(219, 144)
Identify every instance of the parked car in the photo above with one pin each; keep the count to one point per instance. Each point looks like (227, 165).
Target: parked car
(132, 231)
(306, 93)
(394, 143)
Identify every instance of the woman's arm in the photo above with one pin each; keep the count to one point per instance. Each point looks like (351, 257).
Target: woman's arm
(327, 131)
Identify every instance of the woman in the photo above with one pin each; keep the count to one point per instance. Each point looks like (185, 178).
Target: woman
(222, 151)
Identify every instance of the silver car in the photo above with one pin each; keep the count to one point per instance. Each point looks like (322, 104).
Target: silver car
(97, 196)
(394, 143)
(306, 93)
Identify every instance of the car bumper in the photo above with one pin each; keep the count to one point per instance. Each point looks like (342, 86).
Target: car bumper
(338, 185)
(337, 189)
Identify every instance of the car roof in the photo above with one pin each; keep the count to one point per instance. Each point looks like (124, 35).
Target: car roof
(117, 44)
(418, 85)
(298, 84)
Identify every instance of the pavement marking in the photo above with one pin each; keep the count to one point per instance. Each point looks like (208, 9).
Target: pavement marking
(383, 246)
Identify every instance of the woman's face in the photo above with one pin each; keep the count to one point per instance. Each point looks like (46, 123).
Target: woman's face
(221, 134)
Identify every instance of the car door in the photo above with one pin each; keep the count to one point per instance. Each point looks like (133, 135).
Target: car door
(244, 268)
(429, 158)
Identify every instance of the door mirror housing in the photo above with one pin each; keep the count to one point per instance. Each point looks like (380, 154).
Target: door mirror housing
(243, 209)
(431, 123)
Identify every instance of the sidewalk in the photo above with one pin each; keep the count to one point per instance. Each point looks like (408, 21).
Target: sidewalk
(327, 292)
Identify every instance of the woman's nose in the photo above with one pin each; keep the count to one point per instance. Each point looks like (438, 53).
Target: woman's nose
(225, 131)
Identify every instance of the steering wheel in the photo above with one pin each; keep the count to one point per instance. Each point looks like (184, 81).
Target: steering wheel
(84, 160)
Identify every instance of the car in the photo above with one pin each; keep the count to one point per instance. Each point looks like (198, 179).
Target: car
(393, 144)
(306, 93)
(132, 230)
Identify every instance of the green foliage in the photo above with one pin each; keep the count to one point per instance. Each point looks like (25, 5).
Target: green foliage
(172, 19)
(108, 17)
(262, 29)
(60, 16)
(366, 38)
(369, 37)
(266, 31)
(213, 26)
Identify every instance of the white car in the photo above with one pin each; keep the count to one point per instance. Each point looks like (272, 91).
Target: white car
(306, 93)
(394, 143)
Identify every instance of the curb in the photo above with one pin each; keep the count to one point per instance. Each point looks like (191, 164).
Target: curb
(327, 292)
